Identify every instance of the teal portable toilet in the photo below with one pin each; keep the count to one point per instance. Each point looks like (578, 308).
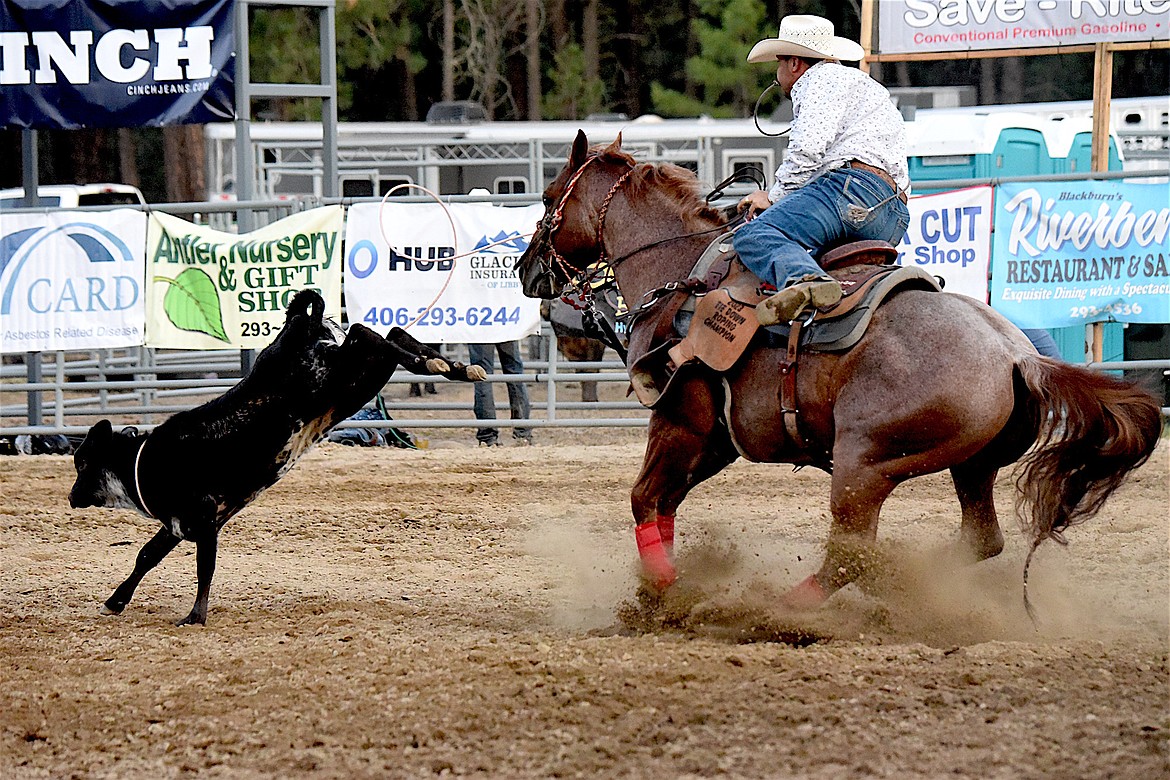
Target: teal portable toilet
(1070, 142)
(960, 144)
(1071, 342)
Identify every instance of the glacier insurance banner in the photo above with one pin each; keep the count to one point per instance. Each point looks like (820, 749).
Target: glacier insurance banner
(211, 290)
(949, 236)
(1068, 253)
(72, 280)
(443, 283)
(911, 26)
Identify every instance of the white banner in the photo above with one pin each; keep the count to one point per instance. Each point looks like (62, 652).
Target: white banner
(911, 26)
(72, 280)
(213, 290)
(442, 285)
(950, 237)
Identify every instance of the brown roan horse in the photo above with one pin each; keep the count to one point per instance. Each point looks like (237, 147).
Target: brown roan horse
(939, 381)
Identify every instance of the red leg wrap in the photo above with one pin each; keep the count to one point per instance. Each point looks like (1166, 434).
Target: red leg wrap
(666, 531)
(807, 595)
(655, 563)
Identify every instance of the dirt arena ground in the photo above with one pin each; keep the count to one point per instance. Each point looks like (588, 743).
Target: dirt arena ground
(461, 611)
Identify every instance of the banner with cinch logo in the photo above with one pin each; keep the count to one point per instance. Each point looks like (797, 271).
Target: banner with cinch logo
(211, 290)
(443, 286)
(71, 280)
(70, 64)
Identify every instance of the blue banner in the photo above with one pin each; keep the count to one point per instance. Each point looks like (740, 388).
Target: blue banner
(1068, 253)
(69, 64)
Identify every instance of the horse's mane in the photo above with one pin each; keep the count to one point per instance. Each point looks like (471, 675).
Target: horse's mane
(676, 182)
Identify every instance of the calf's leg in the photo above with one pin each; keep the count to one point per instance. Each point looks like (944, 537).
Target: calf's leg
(148, 557)
(205, 551)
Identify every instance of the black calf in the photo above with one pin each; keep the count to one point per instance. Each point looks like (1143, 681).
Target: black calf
(199, 468)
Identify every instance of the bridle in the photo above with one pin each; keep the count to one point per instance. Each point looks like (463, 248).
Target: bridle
(579, 280)
(582, 281)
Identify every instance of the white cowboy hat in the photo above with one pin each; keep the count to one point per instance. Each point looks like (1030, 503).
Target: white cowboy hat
(802, 35)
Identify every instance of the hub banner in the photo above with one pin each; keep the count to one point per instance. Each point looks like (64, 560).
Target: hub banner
(70, 64)
(911, 26)
(72, 280)
(211, 290)
(1069, 253)
(445, 279)
(950, 237)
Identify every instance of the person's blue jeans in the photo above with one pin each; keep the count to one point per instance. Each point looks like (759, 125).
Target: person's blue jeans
(483, 355)
(778, 243)
(1043, 342)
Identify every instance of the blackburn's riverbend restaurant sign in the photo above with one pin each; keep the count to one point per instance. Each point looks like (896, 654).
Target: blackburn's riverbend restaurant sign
(913, 26)
(1067, 255)
(116, 63)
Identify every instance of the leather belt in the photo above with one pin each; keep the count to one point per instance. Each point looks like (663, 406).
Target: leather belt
(881, 174)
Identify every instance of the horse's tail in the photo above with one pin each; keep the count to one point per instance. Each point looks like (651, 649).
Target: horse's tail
(1094, 430)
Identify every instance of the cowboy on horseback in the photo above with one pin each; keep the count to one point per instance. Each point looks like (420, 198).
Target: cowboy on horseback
(844, 176)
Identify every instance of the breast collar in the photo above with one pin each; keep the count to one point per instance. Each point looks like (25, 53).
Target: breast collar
(138, 482)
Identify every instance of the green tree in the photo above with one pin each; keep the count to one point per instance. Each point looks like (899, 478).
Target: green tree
(727, 84)
(372, 34)
(573, 95)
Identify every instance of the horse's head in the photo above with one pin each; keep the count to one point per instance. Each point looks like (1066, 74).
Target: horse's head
(566, 240)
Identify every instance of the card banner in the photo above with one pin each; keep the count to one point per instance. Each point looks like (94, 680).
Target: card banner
(72, 280)
(950, 237)
(912, 26)
(69, 64)
(211, 290)
(443, 283)
(1069, 253)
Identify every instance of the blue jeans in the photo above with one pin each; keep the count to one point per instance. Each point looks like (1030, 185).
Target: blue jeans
(485, 400)
(778, 244)
(1043, 342)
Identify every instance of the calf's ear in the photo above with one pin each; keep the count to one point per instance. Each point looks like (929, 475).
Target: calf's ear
(98, 438)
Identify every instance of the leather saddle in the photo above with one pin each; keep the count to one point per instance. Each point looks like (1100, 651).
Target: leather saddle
(715, 327)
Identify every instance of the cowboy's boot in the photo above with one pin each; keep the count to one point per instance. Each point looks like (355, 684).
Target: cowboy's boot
(787, 305)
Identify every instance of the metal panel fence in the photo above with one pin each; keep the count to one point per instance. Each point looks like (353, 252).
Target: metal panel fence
(67, 392)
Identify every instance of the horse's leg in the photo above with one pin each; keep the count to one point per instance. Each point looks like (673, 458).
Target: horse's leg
(859, 489)
(678, 457)
(979, 535)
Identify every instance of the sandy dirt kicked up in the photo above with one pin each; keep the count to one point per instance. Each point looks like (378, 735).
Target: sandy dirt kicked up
(462, 611)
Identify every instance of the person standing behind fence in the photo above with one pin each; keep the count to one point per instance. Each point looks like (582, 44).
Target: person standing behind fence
(483, 355)
(1043, 342)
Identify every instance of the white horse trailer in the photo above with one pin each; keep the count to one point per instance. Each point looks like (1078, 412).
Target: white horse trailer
(510, 158)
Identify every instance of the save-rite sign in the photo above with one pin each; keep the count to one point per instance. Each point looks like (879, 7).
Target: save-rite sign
(912, 26)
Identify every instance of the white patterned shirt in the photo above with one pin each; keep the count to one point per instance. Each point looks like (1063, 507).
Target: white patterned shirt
(840, 114)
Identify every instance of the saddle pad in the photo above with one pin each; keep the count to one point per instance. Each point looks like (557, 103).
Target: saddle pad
(836, 334)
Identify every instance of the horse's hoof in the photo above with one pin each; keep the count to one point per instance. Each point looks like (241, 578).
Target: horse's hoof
(437, 366)
(476, 374)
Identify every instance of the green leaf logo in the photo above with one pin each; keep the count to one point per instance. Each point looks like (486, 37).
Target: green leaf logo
(192, 303)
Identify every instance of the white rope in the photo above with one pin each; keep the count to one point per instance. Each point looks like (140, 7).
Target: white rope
(454, 241)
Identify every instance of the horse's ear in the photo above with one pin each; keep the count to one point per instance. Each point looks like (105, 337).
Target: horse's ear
(580, 149)
(616, 146)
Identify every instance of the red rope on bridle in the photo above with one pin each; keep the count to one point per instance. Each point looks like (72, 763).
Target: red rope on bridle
(552, 222)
